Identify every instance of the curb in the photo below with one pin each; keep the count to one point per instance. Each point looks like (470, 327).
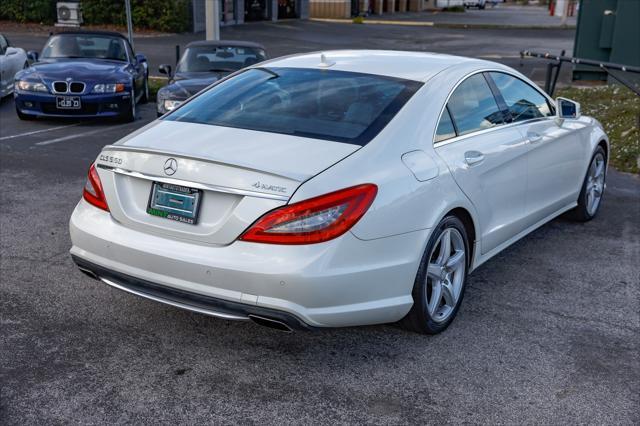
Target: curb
(445, 24)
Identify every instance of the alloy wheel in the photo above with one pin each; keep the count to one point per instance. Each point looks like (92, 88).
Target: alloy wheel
(445, 274)
(595, 183)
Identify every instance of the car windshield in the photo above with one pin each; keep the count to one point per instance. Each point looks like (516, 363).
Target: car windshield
(85, 46)
(323, 104)
(219, 58)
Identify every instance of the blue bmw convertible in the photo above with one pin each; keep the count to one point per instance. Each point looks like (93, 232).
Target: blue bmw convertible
(83, 74)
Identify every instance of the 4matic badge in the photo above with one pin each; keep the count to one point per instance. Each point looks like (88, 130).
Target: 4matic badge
(272, 188)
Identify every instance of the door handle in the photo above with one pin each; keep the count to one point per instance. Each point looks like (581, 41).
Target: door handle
(473, 157)
(534, 137)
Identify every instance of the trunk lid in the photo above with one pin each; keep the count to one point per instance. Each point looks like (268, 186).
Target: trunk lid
(241, 175)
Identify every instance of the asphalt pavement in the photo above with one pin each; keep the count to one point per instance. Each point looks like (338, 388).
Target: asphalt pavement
(287, 37)
(548, 332)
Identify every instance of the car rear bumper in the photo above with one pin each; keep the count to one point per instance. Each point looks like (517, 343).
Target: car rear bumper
(342, 282)
(207, 305)
(44, 105)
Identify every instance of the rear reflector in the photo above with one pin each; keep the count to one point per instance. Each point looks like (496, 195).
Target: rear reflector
(314, 220)
(93, 192)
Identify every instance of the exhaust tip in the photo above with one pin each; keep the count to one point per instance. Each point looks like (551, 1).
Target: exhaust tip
(271, 323)
(89, 273)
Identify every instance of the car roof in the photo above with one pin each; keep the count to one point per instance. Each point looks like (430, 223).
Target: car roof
(418, 66)
(233, 43)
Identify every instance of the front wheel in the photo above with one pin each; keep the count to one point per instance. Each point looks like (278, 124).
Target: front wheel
(145, 91)
(130, 114)
(441, 279)
(592, 188)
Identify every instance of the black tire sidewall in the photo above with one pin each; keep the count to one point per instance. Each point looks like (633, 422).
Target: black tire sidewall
(145, 91)
(421, 318)
(130, 115)
(582, 212)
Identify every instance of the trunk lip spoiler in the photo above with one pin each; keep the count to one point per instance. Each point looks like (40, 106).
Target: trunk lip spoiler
(197, 185)
(116, 147)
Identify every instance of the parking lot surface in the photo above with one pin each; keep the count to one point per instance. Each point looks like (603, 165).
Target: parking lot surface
(548, 331)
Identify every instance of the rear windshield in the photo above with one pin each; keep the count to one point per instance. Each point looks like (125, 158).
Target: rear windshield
(322, 104)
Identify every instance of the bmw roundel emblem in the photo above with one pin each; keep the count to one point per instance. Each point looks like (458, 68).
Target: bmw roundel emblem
(170, 166)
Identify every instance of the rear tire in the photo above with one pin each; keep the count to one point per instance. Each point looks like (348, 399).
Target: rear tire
(593, 187)
(441, 279)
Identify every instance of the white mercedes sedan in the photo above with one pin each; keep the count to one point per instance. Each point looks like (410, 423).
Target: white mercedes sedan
(336, 189)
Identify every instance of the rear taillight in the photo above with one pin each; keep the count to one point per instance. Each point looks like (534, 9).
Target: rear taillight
(314, 220)
(93, 192)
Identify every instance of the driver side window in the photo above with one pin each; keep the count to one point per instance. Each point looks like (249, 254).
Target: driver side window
(524, 102)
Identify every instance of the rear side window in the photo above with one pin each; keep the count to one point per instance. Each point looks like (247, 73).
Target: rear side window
(323, 104)
(524, 102)
(445, 129)
(473, 107)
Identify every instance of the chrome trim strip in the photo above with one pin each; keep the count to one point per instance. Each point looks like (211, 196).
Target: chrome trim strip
(500, 126)
(84, 87)
(175, 304)
(489, 130)
(206, 187)
(68, 85)
(53, 87)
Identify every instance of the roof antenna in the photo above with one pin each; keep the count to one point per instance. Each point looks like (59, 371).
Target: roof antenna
(324, 63)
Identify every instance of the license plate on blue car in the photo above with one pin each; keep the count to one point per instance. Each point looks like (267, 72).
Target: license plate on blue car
(174, 202)
(68, 102)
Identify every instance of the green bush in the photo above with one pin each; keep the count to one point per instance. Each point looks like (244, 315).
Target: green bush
(160, 15)
(28, 11)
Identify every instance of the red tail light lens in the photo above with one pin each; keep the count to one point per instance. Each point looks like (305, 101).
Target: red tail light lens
(93, 192)
(314, 220)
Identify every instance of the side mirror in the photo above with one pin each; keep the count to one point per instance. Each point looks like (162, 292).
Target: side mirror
(141, 58)
(165, 69)
(566, 108)
(10, 51)
(33, 56)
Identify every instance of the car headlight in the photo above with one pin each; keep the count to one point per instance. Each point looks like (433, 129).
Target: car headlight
(170, 104)
(108, 88)
(30, 86)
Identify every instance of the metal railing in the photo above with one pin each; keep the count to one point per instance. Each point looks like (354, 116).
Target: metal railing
(552, 78)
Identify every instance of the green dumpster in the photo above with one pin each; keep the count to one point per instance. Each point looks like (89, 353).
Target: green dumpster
(608, 31)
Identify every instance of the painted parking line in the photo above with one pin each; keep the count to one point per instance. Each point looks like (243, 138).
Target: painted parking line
(35, 132)
(74, 136)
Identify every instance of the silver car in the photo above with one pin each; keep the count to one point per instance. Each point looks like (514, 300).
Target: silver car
(12, 60)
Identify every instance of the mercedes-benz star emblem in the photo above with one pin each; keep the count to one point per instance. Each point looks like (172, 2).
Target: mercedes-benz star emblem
(170, 166)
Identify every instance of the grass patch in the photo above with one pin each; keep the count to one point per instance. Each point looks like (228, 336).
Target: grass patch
(618, 109)
(155, 83)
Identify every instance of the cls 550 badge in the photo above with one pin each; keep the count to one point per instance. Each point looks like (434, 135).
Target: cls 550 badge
(110, 159)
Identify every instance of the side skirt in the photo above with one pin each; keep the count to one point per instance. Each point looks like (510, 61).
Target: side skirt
(481, 258)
